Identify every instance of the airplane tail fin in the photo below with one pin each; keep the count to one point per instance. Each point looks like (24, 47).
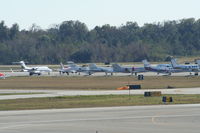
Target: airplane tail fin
(71, 64)
(92, 66)
(61, 65)
(11, 70)
(174, 62)
(116, 67)
(23, 65)
(146, 63)
(198, 62)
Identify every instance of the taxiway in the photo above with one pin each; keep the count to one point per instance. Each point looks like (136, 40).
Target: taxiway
(138, 119)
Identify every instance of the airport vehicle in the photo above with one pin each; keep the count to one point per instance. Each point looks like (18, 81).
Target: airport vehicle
(92, 68)
(187, 67)
(71, 68)
(161, 68)
(2, 76)
(34, 70)
(123, 69)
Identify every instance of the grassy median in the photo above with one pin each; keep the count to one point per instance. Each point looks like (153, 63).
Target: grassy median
(92, 101)
(98, 83)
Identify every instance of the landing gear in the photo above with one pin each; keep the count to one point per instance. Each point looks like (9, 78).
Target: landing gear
(30, 74)
(135, 74)
(90, 73)
(131, 73)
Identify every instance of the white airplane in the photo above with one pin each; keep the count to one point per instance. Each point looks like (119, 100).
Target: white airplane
(71, 68)
(92, 68)
(186, 68)
(160, 68)
(2, 76)
(123, 69)
(34, 70)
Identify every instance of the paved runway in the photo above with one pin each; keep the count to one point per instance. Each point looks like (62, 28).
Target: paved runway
(54, 93)
(136, 119)
(18, 74)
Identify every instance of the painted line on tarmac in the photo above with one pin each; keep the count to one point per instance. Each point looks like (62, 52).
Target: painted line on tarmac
(29, 123)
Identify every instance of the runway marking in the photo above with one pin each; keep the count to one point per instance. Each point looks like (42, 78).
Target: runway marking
(167, 115)
(178, 91)
(153, 120)
(21, 124)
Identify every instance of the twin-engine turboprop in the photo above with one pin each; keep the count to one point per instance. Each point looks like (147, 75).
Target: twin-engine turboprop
(186, 68)
(161, 68)
(92, 68)
(70, 68)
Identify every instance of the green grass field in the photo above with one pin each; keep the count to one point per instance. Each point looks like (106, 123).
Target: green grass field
(92, 101)
(94, 83)
(97, 83)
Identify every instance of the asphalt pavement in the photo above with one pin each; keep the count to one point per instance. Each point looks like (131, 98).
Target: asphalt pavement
(54, 93)
(136, 119)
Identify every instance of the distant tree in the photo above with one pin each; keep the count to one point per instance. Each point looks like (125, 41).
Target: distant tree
(4, 32)
(71, 40)
(81, 56)
(73, 31)
(14, 30)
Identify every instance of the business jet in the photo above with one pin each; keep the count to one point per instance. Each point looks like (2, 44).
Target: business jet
(34, 70)
(125, 69)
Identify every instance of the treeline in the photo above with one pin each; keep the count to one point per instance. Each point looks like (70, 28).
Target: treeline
(72, 40)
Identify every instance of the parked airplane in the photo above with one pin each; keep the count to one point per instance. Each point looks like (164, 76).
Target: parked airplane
(71, 68)
(187, 68)
(2, 76)
(160, 68)
(123, 69)
(92, 68)
(34, 70)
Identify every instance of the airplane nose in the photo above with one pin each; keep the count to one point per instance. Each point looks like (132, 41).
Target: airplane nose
(1, 74)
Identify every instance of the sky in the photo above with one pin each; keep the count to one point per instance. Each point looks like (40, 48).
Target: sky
(46, 13)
